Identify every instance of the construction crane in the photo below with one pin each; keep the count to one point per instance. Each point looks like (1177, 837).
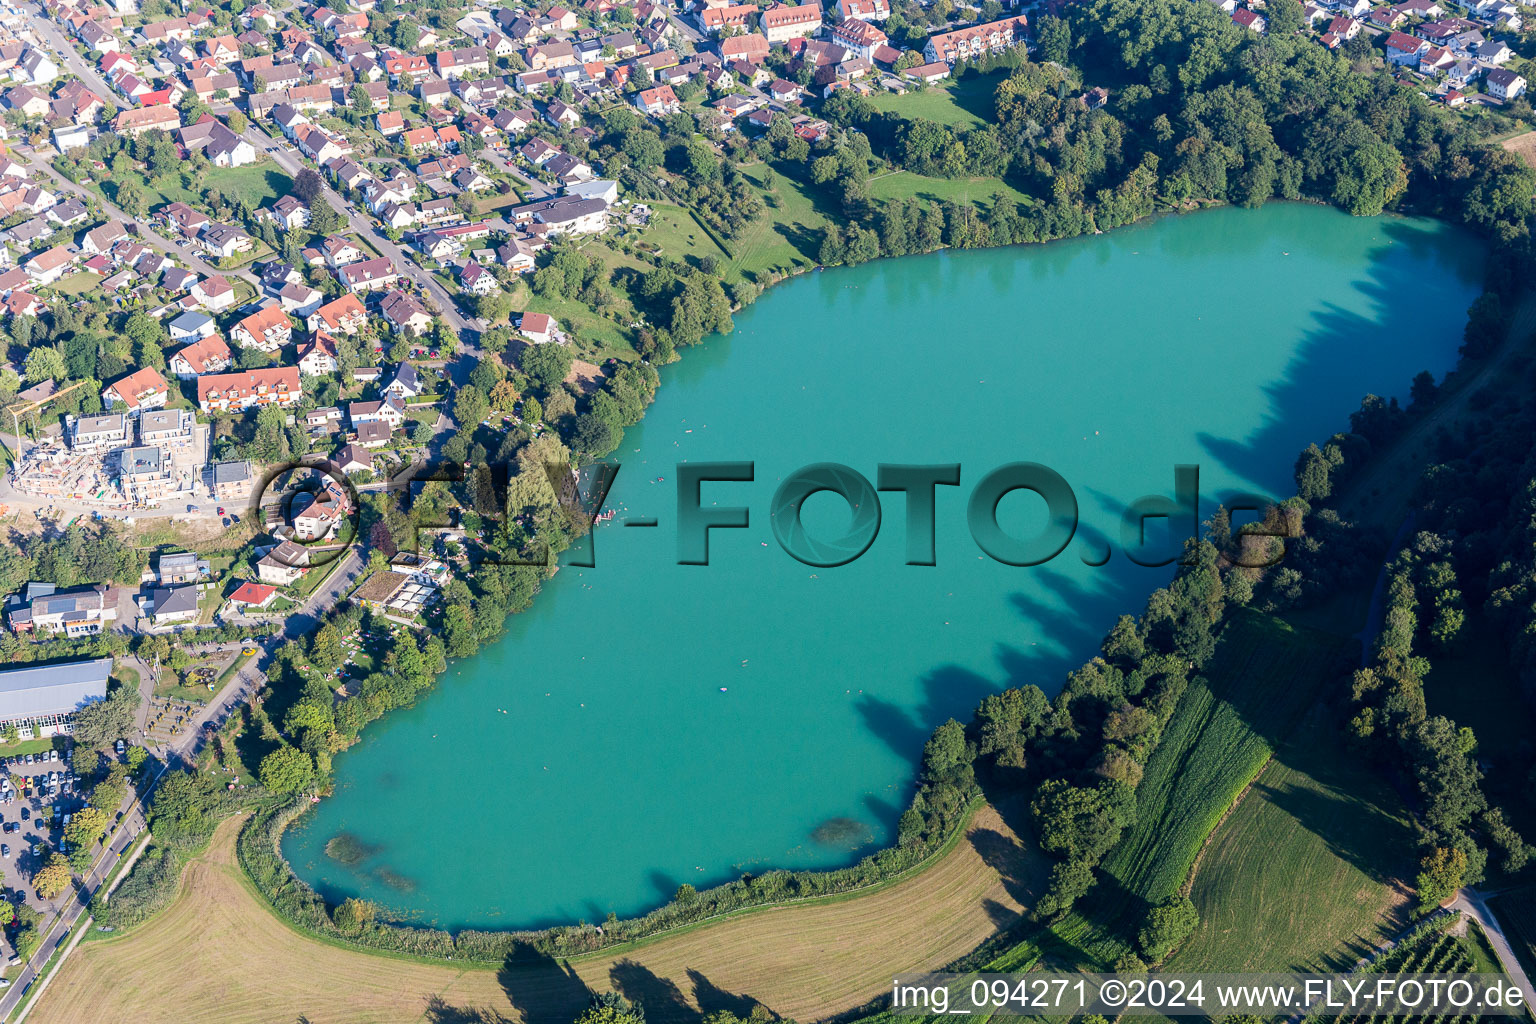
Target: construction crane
(17, 410)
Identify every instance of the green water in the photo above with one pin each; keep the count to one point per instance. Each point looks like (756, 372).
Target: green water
(620, 769)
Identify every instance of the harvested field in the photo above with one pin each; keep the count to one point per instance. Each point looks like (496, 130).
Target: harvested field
(218, 954)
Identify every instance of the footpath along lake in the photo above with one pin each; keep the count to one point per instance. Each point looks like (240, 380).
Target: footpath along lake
(620, 768)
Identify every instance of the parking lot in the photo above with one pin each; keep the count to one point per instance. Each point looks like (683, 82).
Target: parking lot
(32, 815)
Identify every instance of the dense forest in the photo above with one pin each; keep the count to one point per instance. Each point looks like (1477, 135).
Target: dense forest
(1200, 110)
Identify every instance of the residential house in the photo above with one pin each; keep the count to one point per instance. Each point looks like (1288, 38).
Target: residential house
(353, 458)
(317, 356)
(405, 314)
(658, 101)
(406, 384)
(284, 565)
(477, 280)
(388, 410)
(179, 567)
(969, 43)
(140, 390)
(245, 389)
(267, 329)
(783, 22)
(368, 275)
(213, 293)
(167, 429)
(91, 435)
(345, 315)
(191, 326)
(1504, 84)
(539, 328)
(209, 355)
(230, 481)
(49, 266)
(166, 606)
(144, 474)
(81, 611)
(251, 597)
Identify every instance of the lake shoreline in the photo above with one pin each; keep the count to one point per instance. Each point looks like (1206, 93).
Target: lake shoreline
(1149, 223)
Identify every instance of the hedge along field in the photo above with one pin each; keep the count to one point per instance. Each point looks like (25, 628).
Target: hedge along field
(219, 948)
(1265, 676)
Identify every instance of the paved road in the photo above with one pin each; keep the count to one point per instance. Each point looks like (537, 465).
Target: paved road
(74, 908)
(247, 681)
(532, 187)
(53, 36)
(360, 224)
(188, 255)
(1475, 905)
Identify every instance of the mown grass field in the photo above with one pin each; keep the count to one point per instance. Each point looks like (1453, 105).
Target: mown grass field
(255, 185)
(965, 103)
(786, 238)
(1264, 678)
(217, 953)
(907, 185)
(1306, 872)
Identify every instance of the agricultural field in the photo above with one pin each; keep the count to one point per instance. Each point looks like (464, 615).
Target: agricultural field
(1317, 820)
(805, 962)
(1264, 678)
(1436, 951)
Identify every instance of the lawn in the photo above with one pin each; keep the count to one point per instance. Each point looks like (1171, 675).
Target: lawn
(494, 201)
(676, 235)
(255, 185)
(906, 185)
(965, 103)
(78, 283)
(21, 748)
(1318, 822)
(1265, 676)
(788, 235)
(597, 337)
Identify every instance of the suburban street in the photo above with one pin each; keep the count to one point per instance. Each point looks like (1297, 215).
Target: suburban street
(249, 680)
(360, 224)
(132, 825)
(187, 255)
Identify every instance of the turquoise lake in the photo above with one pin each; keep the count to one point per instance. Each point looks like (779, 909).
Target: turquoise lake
(619, 769)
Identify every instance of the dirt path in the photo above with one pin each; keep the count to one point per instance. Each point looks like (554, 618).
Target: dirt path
(217, 954)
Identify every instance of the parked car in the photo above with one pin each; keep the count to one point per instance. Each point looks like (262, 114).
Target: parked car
(121, 746)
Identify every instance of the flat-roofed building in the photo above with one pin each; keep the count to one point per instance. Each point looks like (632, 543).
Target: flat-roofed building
(166, 429)
(144, 473)
(90, 435)
(41, 700)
